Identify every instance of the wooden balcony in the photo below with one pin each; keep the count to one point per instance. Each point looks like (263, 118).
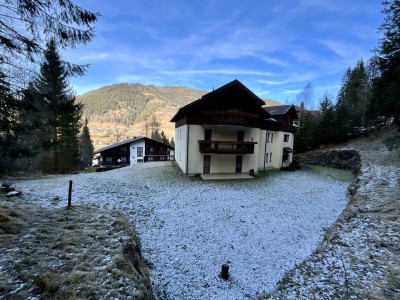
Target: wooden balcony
(226, 147)
(166, 157)
(227, 118)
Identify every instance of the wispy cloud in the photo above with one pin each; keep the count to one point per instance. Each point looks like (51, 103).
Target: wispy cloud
(218, 71)
(341, 48)
(289, 91)
(94, 56)
(275, 47)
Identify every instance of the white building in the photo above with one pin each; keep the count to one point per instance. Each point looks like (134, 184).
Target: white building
(133, 151)
(229, 131)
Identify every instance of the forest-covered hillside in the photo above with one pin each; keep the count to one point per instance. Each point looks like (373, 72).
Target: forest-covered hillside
(121, 111)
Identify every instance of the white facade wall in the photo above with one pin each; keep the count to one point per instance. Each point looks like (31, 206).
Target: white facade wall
(250, 161)
(195, 158)
(262, 162)
(223, 163)
(272, 152)
(267, 152)
(181, 147)
(134, 159)
(190, 160)
(289, 144)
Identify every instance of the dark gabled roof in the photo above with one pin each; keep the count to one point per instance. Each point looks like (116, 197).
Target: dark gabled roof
(126, 142)
(278, 110)
(119, 144)
(281, 110)
(311, 112)
(234, 83)
(209, 96)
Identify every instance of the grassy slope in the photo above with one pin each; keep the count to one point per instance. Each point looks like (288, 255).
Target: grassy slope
(77, 253)
(120, 111)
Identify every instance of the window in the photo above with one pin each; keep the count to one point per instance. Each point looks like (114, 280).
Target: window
(272, 137)
(270, 157)
(108, 159)
(268, 136)
(124, 159)
(266, 157)
(123, 149)
(207, 134)
(286, 138)
(139, 151)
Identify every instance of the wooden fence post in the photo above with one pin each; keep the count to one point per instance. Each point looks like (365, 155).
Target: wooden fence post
(225, 271)
(69, 193)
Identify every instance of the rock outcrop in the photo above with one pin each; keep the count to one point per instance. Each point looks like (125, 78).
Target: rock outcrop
(341, 159)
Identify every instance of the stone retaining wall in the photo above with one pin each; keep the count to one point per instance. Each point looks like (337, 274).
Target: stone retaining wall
(341, 159)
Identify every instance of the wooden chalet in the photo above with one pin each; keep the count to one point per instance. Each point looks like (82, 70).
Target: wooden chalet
(226, 131)
(133, 151)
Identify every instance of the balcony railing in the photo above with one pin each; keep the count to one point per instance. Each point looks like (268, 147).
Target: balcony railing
(226, 147)
(159, 158)
(230, 118)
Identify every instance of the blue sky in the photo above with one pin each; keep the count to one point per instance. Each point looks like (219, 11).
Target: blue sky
(273, 47)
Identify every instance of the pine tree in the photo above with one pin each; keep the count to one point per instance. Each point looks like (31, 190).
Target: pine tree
(386, 96)
(154, 124)
(8, 113)
(326, 130)
(86, 146)
(352, 101)
(60, 115)
(25, 25)
(164, 139)
(305, 136)
(156, 136)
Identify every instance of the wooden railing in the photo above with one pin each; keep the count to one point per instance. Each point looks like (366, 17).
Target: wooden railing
(226, 147)
(166, 157)
(230, 118)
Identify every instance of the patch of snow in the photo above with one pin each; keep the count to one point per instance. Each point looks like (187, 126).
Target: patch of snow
(261, 228)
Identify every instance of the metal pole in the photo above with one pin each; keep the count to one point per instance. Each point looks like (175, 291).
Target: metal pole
(69, 193)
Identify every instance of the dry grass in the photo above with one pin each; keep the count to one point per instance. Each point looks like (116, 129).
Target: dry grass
(359, 256)
(77, 253)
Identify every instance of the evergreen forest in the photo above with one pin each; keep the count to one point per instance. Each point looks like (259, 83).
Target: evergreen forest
(45, 128)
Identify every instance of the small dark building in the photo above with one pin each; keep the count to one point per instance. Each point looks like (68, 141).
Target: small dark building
(133, 151)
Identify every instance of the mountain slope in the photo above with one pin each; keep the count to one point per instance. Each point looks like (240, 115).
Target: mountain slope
(121, 111)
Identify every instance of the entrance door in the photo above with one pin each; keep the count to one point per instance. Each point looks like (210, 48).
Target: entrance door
(239, 160)
(206, 164)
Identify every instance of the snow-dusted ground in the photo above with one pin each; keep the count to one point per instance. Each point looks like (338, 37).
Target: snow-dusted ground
(359, 256)
(261, 227)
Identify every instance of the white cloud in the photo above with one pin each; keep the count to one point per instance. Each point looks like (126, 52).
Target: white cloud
(291, 91)
(218, 71)
(95, 56)
(341, 48)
